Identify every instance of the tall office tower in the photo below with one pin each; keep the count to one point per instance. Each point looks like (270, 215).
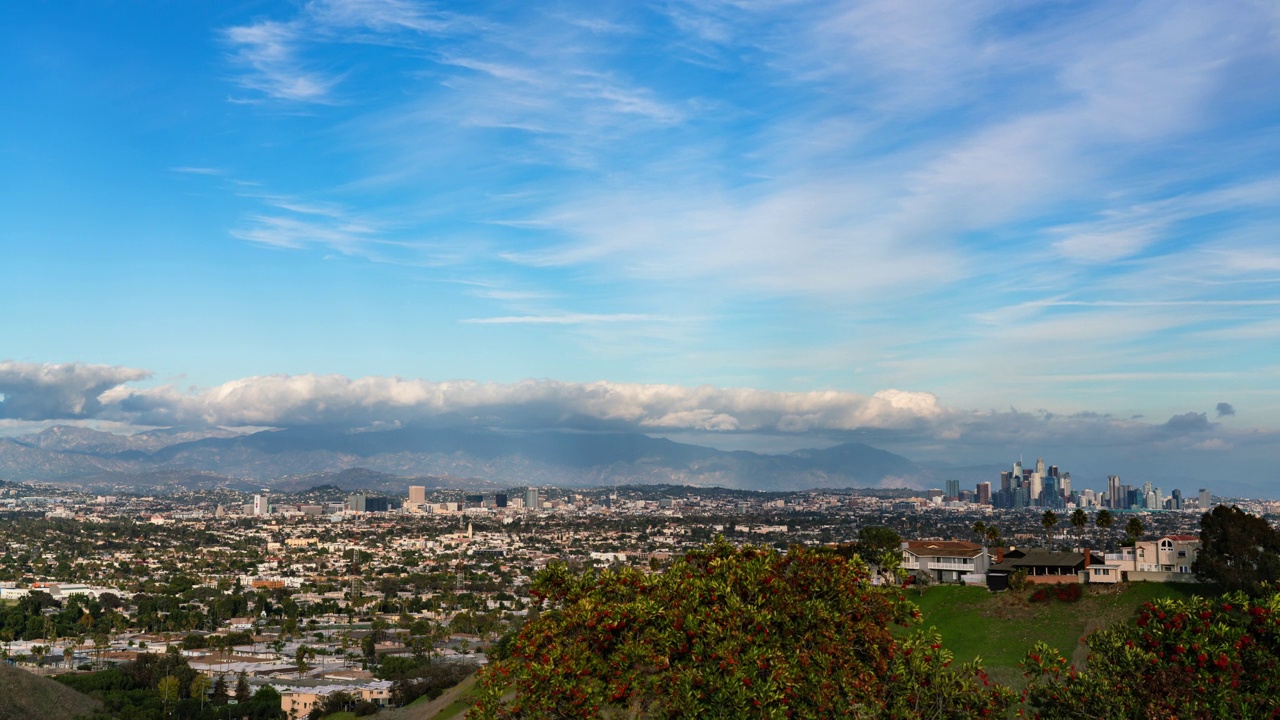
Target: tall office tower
(500, 500)
(417, 495)
(1049, 496)
(1175, 500)
(1006, 481)
(1146, 488)
(984, 493)
(1159, 497)
(1017, 470)
(261, 505)
(1113, 491)
(1064, 481)
(953, 488)
(1035, 488)
(1206, 499)
(531, 499)
(1040, 466)
(1053, 471)
(1088, 497)
(357, 502)
(1020, 498)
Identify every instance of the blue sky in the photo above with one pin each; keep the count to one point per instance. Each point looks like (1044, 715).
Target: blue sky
(1067, 209)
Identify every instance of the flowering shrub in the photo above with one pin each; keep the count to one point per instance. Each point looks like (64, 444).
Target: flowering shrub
(1041, 595)
(1194, 658)
(730, 633)
(1068, 593)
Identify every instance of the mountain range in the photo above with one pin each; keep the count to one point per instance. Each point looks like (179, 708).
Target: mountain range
(451, 457)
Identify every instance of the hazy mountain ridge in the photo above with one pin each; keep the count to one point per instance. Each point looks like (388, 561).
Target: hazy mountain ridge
(480, 456)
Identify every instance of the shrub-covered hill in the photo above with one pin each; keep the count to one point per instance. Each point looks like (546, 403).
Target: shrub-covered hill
(24, 696)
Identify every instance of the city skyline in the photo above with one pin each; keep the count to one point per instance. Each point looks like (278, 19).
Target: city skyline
(953, 233)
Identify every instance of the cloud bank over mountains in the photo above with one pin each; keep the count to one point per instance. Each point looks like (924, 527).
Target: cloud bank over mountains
(38, 392)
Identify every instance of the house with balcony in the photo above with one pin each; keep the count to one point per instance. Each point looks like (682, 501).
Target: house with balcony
(945, 561)
(1165, 559)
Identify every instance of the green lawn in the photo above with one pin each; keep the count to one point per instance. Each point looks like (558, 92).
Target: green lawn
(345, 715)
(1001, 627)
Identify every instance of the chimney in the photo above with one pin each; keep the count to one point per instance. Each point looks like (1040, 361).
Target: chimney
(1000, 554)
(1087, 557)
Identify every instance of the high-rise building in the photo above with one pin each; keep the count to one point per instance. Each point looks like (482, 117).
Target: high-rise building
(531, 499)
(1113, 491)
(417, 495)
(1064, 481)
(1040, 467)
(1006, 481)
(356, 502)
(953, 488)
(1206, 500)
(1049, 496)
(500, 500)
(1175, 500)
(984, 493)
(261, 505)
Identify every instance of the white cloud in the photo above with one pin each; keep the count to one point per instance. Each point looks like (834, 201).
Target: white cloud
(42, 391)
(268, 52)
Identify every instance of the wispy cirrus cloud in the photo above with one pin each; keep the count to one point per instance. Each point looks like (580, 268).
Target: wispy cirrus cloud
(856, 162)
(564, 319)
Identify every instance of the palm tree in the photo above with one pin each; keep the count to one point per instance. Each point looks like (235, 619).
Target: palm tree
(1049, 519)
(1133, 529)
(993, 534)
(890, 563)
(980, 529)
(1079, 519)
(1104, 519)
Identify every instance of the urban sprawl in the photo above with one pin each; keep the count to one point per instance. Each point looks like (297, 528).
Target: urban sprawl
(310, 593)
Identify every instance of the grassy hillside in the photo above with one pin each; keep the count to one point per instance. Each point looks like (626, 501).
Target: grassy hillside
(24, 696)
(1001, 627)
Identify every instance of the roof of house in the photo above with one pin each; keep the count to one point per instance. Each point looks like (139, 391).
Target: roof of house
(1039, 557)
(942, 548)
(1181, 538)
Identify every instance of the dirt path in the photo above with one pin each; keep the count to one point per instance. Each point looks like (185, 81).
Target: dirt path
(426, 711)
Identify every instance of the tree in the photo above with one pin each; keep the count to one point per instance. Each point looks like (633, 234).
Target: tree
(1238, 551)
(168, 688)
(1133, 529)
(68, 654)
(242, 687)
(729, 632)
(874, 541)
(1103, 520)
(980, 529)
(1048, 520)
(993, 534)
(300, 659)
(220, 695)
(1079, 520)
(1185, 658)
(199, 688)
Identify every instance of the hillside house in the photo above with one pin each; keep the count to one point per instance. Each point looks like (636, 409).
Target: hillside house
(945, 561)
